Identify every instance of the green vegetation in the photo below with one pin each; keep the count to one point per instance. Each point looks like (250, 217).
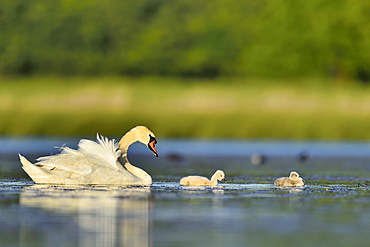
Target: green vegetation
(184, 107)
(262, 38)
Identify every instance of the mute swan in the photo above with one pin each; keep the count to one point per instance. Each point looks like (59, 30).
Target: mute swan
(101, 162)
(202, 181)
(293, 180)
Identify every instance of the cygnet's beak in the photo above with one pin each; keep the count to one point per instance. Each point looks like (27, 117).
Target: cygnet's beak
(151, 146)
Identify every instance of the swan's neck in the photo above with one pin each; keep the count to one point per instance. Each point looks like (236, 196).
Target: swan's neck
(128, 139)
(213, 181)
(125, 142)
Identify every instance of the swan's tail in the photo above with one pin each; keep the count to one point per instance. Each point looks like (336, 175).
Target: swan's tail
(35, 173)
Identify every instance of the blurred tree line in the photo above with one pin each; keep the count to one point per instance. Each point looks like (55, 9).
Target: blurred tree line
(254, 38)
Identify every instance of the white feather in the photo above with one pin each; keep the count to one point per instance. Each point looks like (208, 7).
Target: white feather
(104, 149)
(64, 150)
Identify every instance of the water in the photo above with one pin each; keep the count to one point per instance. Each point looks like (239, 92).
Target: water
(247, 210)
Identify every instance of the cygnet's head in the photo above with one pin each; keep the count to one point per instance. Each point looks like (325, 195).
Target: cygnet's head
(220, 175)
(294, 175)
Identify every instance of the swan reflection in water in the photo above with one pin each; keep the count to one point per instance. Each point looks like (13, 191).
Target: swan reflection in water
(85, 215)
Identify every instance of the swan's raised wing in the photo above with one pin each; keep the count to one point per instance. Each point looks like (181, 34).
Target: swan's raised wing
(104, 151)
(68, 160)
(90, 155)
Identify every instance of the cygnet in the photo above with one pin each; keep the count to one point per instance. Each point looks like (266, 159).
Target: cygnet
(293, 180)
(203, 181)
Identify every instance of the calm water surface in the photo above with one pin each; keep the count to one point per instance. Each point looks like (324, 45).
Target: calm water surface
(247, 210)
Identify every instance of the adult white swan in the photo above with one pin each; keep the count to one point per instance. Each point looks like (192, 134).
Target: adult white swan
(101, 162)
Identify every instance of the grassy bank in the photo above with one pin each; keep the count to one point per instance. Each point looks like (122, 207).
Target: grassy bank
(186, 108)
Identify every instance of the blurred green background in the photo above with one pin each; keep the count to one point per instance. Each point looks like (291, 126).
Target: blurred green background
(189, 68)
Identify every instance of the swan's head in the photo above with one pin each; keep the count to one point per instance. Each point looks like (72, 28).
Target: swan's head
(147, 137)
(294, 175)
(220, 175)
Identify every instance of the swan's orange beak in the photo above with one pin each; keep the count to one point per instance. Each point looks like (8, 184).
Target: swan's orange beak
(152, 147)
